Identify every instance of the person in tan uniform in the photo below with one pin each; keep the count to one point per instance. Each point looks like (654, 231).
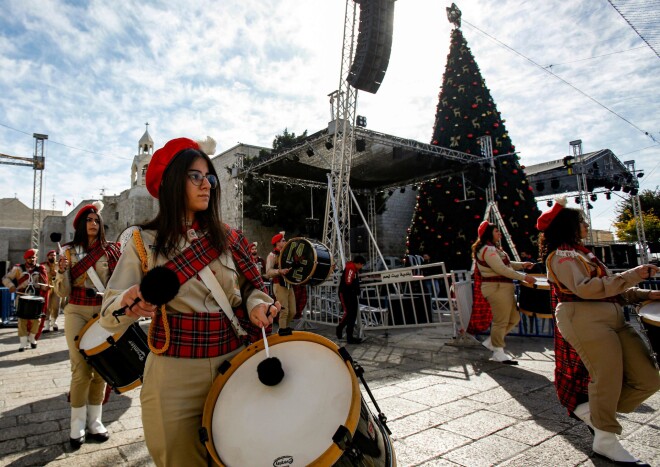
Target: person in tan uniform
(191, 335)
(590, 317)
(497, 276)
(83, 271)
(27, 280)
(53, 311)
(283, 291)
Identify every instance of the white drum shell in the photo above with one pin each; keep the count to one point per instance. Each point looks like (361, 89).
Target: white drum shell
(254, 424)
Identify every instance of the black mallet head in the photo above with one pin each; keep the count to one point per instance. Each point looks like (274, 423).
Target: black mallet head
(159, 285)
(270, 371)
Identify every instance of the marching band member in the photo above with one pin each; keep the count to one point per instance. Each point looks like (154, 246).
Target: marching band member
(53, 301)
(191, 335)
(497, 276)
(590, 317)
(83, 272)
(349, 297)
(284, 293)
(24, 279)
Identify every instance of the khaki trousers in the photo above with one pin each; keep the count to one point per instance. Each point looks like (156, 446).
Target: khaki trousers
(287, 299)
(502, 300)
(173, 395)
(53, 306)
(622, 375)
(87, 387)
(27, 326)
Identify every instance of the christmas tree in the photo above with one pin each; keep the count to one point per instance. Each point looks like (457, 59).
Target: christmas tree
(449, 209)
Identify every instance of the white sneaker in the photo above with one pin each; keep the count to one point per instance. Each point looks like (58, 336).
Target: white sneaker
(500, 356)
(486, 343)
(607, 444)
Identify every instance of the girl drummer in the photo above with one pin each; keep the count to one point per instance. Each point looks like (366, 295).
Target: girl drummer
(191, 335)
(83, 271)
(497, 274)
(590, 317)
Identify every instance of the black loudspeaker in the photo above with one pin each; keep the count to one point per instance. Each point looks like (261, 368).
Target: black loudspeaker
(624, 256)
(374, 44)
(407, 308)
(359, 239)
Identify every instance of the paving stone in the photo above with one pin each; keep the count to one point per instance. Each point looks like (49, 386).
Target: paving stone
(478, 424)
(420, 447)
(486, 451)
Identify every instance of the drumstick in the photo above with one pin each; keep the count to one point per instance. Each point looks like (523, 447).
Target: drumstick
(263, 333)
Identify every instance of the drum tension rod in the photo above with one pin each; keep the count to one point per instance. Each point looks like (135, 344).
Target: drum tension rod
(359, 371)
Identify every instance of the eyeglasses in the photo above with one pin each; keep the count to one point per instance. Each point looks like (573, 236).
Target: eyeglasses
(91, 219)
(197, 178)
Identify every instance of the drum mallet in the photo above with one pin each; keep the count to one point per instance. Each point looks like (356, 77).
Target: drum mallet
(159, 285)
(270, 369)
(55, 237)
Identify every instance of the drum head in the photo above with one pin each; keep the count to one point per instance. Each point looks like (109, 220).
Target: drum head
(650, 312)
(301, 256)
(93, 336)
(541, 282)
(31, 299)
(294, 421)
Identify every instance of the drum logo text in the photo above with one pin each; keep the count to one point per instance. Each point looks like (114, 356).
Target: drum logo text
(140, 353)
(283, 460)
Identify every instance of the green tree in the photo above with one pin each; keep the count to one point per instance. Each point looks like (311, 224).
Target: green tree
(626, 225)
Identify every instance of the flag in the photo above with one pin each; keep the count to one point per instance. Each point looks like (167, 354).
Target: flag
(67, 202)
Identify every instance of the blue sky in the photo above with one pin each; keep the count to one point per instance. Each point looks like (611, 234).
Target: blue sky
(90, 74)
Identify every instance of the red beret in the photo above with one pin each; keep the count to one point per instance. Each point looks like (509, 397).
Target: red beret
(545, 219)
(95, 207)
(482, 228)
(30, 253)
(51, 251)
(162, 158)
(276, 238)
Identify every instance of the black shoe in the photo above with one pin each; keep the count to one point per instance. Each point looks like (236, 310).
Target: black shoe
(21, 349)
(55, 328)
(77, 442)
(354, 340)
(339, 333)
(34, 346)
(99, 437)
(45, 331)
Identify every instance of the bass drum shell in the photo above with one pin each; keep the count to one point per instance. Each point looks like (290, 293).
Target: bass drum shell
(649, 313)
(119, 358)
(310, 262)
(535, 299)
(29, 307)
(292, 423)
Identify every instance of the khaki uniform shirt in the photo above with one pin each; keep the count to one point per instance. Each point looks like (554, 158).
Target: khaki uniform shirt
(494, 258)
(63, 283)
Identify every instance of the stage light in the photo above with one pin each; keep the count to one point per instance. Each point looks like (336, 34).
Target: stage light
(633, 192)
(310, 152)
(589, 206)
(594, 197)
(554, 183)
(640, 175)
(328, 144)
(402, 189)
(360, 145)
(414, 188)
(616, 188)
(549, 203)
(361, 121)
(577, 200)
(626, 189)
(540, 186)
(390, 193)
(608, 195)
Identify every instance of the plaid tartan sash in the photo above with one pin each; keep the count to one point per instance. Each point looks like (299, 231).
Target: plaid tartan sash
(482, 315)
(80, 296)
(111, 251)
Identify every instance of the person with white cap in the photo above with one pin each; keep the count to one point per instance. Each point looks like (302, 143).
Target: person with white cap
(497, 274)
(590, 317)
(26, 280)
(84, 268)
(221, 304)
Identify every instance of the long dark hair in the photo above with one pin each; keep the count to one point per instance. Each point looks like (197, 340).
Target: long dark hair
(483, 239)
(80, 236)
(170, 220)
(563, 230)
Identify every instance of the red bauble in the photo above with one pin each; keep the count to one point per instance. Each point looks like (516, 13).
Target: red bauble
(470, 135)
(515, 203)
(495, 151)
(515, 171)
(496, 125)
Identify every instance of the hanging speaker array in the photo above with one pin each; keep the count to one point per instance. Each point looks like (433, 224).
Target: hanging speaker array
(372, 54)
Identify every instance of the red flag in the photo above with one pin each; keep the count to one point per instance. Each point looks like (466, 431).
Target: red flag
(67, 202)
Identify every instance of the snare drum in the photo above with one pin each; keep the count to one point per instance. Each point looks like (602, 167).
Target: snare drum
(650, 315)
(309, 261)
(295, 421)
(119, 358)
(535, 298)
(29, 307)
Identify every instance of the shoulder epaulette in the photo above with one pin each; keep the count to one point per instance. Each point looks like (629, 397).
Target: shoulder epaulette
(568, 253)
